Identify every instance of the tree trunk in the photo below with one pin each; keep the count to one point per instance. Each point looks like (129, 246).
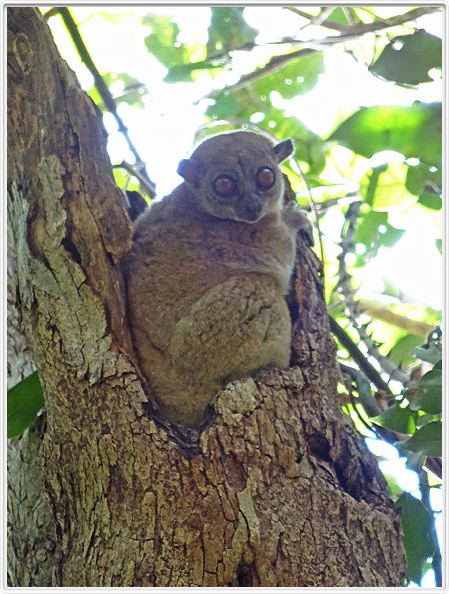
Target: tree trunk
(278, 490)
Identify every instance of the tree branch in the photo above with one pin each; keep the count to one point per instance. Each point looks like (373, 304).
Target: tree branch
(346, 341)
(275, 64)
(351, 307)
(103, 90)
(364, 390)
(133, 170)
(357, 29)
(372, 408)
(379, 312)
(299, 12)
(400, 19)
(317, 19)
(432, 464)
(347, 32)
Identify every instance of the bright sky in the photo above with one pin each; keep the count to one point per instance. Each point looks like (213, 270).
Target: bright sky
(164, 132)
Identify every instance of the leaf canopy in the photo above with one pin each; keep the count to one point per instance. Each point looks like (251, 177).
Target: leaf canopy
(407, 59)
(413, 131)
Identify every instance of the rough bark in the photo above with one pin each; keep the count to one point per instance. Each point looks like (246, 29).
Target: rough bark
(31, 528)
(278, 490)
(19, 360)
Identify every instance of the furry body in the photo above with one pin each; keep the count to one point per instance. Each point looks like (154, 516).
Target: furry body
(206, 293)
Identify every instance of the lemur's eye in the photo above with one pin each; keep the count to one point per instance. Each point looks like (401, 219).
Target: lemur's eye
(265, 178)
(225, 186)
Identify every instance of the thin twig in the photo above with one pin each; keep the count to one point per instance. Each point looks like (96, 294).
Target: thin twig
(275, 64)
(357, 355)
(400, 19)
(102, 88)
(299, 12)
(351, 307)
(348, 14)
(317, 19)
(313, 20)
(322, 16)
(373, 409)
(315, 212)
(52, 12)
(346, 31)
(363, 388)
(133, 170)
(309, 46)
(347, 198)
(355, 408)
(432, 464)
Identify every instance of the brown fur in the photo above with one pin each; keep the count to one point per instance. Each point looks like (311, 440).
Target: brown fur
(206, 293)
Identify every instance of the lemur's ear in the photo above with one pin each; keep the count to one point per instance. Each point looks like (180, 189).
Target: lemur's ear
(191, 171)
(283, 150)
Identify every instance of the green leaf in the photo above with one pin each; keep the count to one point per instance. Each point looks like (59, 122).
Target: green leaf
(370, 183)
(425, 182)
(121, 177)
(116, 18)
(308, 146)
(438, 364)
(226, 106)
(374, 229)
(96, 98)
(25, 400)
(397, 419)
(402, 350)
(428, 393)
(130, 88)
(163, 43)
(242, 104)
(407, 59)
(183, 72)
(422, 419)
(431, 200)
(431, 353)
(413, 131)
(417, 525)
(421, 175)
(389, 190)
(439, 245)
(413, 462)
(336, 16)
(228, 30)
(393, 485)
(297, 77)
(426, 441)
